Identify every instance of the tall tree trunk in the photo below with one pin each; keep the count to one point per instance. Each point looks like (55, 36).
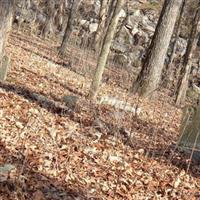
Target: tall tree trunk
(110, 9)
(59, 16)
(150, 75)
(168, 76)
(101, 26)
(105, 50)
(6, 11)
(69, 27)
(48, 27)
(186, 69)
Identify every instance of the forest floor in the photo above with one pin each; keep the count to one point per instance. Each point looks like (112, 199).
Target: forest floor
(58, 154)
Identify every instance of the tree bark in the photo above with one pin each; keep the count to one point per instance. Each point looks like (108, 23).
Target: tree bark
(150, 75)
(48, 27)
(186, 69)
(168, 76)
(6, 11)
(110, 10)
(111, 7)
(105, 50)
(101, 26)
(69, 27)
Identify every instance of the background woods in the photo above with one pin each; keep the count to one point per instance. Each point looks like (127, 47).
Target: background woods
(99, 99)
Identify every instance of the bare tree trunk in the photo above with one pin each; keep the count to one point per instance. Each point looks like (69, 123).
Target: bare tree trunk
(68, 30)
(110, 9)
(150, 75)
(101, 26)
(168, 76)
(186, 69)
(6, 11)
(59, 15)
(105, 50)
(48, 28)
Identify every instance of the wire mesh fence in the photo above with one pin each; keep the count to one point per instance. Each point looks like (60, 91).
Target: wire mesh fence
(147, 136)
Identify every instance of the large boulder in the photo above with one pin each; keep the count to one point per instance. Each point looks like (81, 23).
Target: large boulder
(89, 9)
(121, 59)
(134, 18)
(181, 46)
(119, 45)
(93, 27)
(137, 53)
(122, 13)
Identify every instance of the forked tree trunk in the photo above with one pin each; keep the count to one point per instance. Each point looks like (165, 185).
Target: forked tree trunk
(101, 26)
(69, 27)
(168, 77)
(6, 11)
(149, 78)
(186, 69)
(105, 50)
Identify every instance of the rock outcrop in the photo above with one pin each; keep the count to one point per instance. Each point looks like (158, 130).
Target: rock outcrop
(138, 23)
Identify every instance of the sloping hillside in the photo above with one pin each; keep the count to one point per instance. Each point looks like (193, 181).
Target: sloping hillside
(93, 151)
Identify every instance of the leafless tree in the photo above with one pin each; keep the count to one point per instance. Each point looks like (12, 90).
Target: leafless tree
(69, 27)
(150, 75)
(105, 50)
(186, 68)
